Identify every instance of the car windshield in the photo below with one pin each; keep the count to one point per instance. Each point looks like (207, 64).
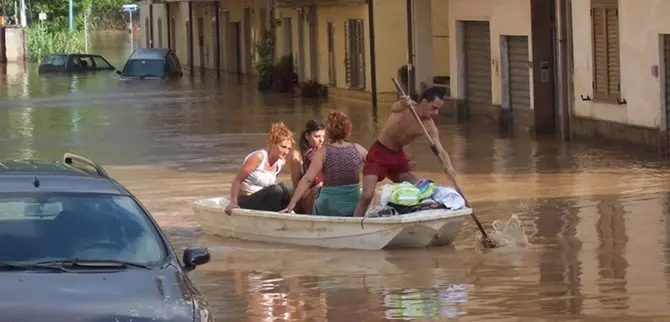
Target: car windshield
(49, 227)
(101, 63)
(54, 60)
(144, 68)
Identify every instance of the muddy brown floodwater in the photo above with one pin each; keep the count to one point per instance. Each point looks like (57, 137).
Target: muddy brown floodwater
(598, 213)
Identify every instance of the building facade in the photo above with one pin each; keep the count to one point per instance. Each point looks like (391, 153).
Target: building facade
(215, 35)
(516, 61)
(519, 61)
(328, 40)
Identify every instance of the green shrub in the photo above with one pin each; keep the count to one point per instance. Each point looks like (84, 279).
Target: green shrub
(43, 41)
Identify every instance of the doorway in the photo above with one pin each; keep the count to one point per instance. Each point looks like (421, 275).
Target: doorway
(332, 76)
(236, 37)
(160, 32)
(248, 45)
(543, 33)
(201, 42)
(173, 34)
(355, 49)
(301, 46)
(515, 80)
(477, 50)
(665, 80)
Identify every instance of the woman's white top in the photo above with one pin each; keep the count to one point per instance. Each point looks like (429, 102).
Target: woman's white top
(260, 177)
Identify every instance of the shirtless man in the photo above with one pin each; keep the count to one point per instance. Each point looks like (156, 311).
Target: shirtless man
(386, 158)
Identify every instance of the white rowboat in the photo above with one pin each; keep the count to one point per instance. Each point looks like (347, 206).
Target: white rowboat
(419, 229)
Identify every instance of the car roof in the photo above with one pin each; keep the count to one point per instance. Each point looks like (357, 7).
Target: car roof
(72, 54)
(149, 53)
(49, 176)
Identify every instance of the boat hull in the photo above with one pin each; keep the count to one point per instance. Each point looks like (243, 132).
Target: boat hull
(416, 230)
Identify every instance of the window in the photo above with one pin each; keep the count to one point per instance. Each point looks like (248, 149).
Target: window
(101, 63)
(45, 227)
(82, 62)
(58, 60)
(606, 68)
(144, 68)
(54, 60)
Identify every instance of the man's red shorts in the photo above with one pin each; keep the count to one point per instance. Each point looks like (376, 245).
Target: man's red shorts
(385, 163)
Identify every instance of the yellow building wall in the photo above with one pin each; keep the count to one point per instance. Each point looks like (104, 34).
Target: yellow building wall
(160, 30)
(440, 23)
(179, 11)
(236, 14)
(390, 40)
(281, 47)
(339, 15)
(390, 34)
(144, 27)
(203, 56)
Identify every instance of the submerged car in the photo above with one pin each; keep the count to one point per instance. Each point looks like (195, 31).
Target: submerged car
(78, 246)
(152, 63)
(74, 63)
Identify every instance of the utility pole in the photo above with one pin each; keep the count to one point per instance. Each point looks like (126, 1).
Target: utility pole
(24, 23)
(70, 15)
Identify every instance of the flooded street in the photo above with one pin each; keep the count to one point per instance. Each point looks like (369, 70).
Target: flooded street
(600, 249)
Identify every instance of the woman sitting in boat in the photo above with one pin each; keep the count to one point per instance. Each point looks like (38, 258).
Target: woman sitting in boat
(340, 163)
(311, 140)
(254, 186)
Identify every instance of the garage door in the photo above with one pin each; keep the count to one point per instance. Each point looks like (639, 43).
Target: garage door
(478, 64)
(519, 74)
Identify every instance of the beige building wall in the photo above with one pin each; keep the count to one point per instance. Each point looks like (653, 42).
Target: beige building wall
(144, 8)
(440, 23)
(391, 41)
(506, 17)
(179, 11)
(236, 14)
(640, 28)
(160, 24)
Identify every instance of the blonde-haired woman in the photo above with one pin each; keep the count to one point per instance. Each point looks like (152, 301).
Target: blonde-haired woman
(254, 186)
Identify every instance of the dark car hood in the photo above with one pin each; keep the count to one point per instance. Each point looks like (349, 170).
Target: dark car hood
(129, 295)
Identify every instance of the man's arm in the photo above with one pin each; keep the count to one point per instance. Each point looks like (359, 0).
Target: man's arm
(403, 103)
(397, 107)
(444, 156)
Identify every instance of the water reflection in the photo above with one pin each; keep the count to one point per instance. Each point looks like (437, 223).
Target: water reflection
(599, 250)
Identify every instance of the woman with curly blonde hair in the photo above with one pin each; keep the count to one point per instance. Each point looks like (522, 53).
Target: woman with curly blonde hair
(254, 186)
(339, 163)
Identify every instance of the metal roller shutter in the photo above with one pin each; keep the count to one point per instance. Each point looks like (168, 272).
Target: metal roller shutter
(478, 63)
(519, 74)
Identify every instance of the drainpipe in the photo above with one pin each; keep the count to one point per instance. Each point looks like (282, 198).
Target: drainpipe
(569, 69)
(217, 19)
(410, 50)
(169, 24)
(190, 48)
(373, 60)
(151, 25)
(563, 69)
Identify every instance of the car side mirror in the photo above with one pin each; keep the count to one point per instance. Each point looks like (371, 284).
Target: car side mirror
(118, 72)
(195, 256)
